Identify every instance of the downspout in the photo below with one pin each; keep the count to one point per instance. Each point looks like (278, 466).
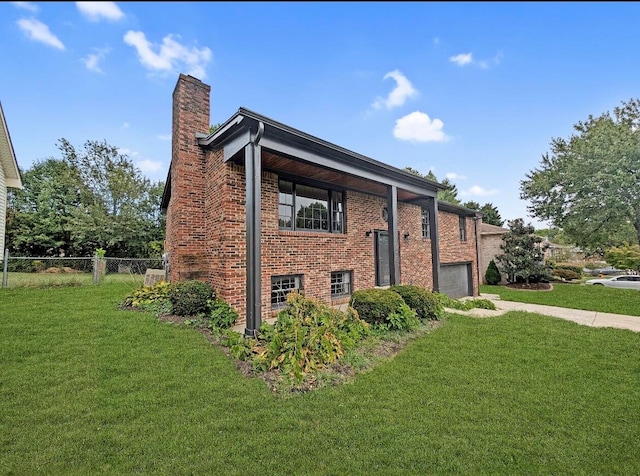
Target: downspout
(253, 174)
(475, 227)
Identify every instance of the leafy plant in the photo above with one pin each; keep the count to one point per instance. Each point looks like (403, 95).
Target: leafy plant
(222, 315)
(405, 319)
(465, 305)
(151, 298)
(566, 274)
(492, 276)
(376, 305)
(307, 336)
(421, 300)
(189, 298)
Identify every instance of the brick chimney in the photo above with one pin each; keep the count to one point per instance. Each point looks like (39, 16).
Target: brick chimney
(186, 220)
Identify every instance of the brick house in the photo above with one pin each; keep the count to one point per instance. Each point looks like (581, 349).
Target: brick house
(259, 208)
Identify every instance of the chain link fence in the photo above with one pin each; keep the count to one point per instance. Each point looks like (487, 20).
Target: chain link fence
(30, 271)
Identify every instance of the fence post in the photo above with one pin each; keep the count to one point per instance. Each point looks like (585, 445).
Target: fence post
(5, 268)
(96, 273)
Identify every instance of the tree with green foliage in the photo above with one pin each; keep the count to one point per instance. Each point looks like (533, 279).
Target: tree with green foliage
(523, 254)
(588, 184)
(492, 276)
(555, 235)
(490, 213)
(625, 256)
(92, 198)
(449, 195)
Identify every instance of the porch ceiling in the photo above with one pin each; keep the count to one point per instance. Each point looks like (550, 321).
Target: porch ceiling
(295, 167)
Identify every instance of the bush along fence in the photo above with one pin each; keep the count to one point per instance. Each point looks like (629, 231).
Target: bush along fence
(42, 271)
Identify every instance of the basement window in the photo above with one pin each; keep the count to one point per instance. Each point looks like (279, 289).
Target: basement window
(283, 285)
(340, 284)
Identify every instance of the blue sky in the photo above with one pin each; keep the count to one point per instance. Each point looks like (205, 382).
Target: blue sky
(472, 91)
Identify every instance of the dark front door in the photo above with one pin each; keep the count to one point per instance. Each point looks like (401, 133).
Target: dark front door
(382, 258)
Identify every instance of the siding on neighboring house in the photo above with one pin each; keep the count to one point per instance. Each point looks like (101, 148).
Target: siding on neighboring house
(3, 209)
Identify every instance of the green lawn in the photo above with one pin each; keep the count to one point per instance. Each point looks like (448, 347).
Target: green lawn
(89, 389)
(38, 280)
(575, 296)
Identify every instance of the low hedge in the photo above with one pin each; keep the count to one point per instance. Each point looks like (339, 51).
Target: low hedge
(425, 303)
(376, 305)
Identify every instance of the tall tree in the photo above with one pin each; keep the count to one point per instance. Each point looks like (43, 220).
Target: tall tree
(588, 184)
(490, 213)
(92, 198)
(40, 218)
(449, 195)
(523, 254)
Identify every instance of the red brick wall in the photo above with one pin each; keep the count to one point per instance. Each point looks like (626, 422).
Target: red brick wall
(452, 250)
(186, 221)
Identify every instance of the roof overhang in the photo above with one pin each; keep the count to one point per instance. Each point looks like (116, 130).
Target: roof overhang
(293, 153)
(286, 149)
(7, 156)
(458, 210)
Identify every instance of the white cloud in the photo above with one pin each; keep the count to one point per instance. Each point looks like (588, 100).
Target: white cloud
(462, 59)
(436, 41)
(125, 125)
(164, 136)
(93, 59)
(96, 11)
(150, 166)
(455, 176)
(467, 58)
(38, 31)
(397, 97)
(418, 127)
(128, 152)
(479, 191)
(170, 55)
(32, 7)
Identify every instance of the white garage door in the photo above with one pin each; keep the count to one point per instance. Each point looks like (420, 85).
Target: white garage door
(455, 280)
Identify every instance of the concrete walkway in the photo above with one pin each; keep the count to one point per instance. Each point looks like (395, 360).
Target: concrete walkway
(586, 318)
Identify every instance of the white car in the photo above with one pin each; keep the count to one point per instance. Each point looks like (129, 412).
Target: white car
(628, 282)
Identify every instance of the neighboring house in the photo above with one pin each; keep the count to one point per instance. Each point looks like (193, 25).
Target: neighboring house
(490, 247)
(9, 174)
(259, 209)
(563, 253)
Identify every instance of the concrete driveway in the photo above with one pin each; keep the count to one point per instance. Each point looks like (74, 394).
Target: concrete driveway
(585, 318)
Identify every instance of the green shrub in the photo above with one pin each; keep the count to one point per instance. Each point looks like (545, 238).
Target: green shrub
(492, 276)
(481, 304)
(189, 298)
(307, 336)
(566, 274)
(375, 305)
(568, 267)
(425, 303)
(404, 319)
(465, 305)
(222, 316)
(151, 298)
